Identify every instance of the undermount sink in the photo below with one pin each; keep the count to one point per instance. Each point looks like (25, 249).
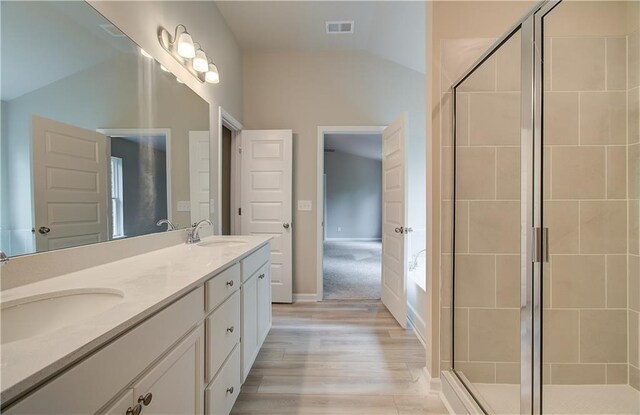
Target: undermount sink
(231, 243)
(27, 317)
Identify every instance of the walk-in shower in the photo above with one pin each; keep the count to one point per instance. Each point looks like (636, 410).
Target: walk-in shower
(546, 259)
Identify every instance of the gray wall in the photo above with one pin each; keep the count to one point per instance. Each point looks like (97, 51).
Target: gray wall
(144, 185)
(354, 196)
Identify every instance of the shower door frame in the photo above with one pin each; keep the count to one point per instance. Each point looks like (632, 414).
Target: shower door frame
(533, 248)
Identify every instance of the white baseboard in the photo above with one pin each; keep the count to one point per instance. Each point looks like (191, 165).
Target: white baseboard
(305, 298)
(353, 239)
(419, 326)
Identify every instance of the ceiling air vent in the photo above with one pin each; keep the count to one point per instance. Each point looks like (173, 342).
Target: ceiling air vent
(334, 27)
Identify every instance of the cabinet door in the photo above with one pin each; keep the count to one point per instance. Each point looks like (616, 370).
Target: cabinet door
(264, 303)
(121, 406)
(249, 339)
(175, 385)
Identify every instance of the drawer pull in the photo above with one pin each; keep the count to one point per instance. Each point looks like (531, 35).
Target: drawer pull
(230, 390)
(146, 399)
(230, 329)
(230, 283)
(136, 410)
(261, 276)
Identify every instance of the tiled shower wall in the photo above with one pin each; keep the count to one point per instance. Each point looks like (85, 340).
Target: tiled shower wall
(591, 192)
(633, 186)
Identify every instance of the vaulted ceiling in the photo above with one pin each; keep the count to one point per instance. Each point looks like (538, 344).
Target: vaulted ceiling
(391, 30)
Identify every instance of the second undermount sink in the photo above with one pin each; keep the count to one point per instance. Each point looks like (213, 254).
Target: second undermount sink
(222, 242)
(31, 316)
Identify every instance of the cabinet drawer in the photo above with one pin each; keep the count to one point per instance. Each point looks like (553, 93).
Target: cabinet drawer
(223, 391)
(222, 286)
(253, 262)
(223, 333)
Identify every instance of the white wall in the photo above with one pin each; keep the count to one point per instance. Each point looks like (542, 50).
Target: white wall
(302, 91)
(353, 196)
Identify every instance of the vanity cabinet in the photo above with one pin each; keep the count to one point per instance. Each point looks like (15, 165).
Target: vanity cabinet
(190, 357)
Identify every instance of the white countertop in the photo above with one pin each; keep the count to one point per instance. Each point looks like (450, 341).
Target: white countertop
(149, 282)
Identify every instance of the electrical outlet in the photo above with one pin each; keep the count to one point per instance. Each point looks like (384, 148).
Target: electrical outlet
(184, 206)
(305, 205)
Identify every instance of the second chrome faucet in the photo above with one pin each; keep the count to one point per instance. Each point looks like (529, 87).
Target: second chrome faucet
(193, 235)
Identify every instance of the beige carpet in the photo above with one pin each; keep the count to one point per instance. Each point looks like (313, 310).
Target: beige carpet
(352, 270)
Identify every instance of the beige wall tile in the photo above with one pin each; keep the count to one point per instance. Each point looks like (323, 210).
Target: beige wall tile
(578, 173)
(547, 152)
(508, 281)
(494, 118)
(482, 79)
(494, 227)
(634, 228)
(603, 117)
(445, 280)
(462, 212)
(617, 374)
(508, 64)
(578, 64)
(560, 118)
(475, 173)
(475, 281)
(508, 173)
(546, 65)
(617, 281)
(546, 287)
(494, 335)
(462, 119)
(577, 374)
(634, 377)
(578, 281)
(616, 172)
(562, 220)
(461, 339)
(477, 372)
(633, 154)
(445, 332)
(633, 110)
(603, 227)
(603, 336)
(616, 63)
(446, 180)
(508, 373)
(634, 353)
(546, 374)
(561, 339)
(634, 282)
(634, 59)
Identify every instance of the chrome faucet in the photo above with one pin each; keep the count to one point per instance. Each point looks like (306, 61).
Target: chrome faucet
(170, 225)
(3, 258)
(194, 233)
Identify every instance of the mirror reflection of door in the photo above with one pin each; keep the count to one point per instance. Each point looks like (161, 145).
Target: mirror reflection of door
(70, 176)
(225, 172)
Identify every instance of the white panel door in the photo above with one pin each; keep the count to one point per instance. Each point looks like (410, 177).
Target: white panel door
(199, 175)
(266, 194)
(394, 214)
(71, 185)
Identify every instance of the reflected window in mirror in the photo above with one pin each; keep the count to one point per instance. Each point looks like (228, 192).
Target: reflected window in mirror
(117, 214)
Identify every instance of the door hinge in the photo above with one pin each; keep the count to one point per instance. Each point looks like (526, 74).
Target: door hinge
(239, 211)
(239, 150)
(540, 245)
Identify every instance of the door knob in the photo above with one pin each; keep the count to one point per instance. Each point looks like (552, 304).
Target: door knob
(145, 399)
(44, 230)
(399, 230)
(230, 329)
(136, 410)
(230, 390)
(285, 225)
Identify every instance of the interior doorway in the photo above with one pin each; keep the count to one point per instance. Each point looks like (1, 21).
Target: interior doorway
(351, 257)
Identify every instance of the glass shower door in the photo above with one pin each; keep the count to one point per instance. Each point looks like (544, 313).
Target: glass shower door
(590, 93)
(488, 229)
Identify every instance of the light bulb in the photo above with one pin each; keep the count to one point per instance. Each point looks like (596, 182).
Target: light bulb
(145, 54)
(212, 76)
(200, 62)
(185, 46)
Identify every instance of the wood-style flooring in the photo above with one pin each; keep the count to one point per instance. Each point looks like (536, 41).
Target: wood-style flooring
(337, 357)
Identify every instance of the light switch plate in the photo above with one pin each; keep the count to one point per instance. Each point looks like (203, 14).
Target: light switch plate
(304, 205)
(184, 206)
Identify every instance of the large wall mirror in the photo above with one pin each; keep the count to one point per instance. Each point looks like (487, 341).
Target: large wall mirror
(97, 141)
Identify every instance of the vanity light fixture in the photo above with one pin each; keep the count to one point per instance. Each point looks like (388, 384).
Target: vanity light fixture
(189, 54)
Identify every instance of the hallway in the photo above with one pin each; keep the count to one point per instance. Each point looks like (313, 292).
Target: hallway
(337, 357)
